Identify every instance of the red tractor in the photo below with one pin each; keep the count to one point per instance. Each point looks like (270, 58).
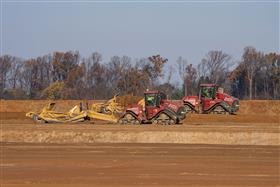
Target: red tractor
(156, 109)
(211, 99)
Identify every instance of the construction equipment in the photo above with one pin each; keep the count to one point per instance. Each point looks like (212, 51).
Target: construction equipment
(155, 109)
(211, 99)
(49, 115)
(101, 116)
(109, 107)
(108, 111)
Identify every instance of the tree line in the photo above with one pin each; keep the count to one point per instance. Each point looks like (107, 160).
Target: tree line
(68, 75)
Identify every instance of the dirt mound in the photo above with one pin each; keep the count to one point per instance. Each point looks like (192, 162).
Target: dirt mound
(128, 100)
(35, 105)
(256, 107)
(61, 105)
(264, 107)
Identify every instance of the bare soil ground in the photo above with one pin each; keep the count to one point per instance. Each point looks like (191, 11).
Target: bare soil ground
(77, 165)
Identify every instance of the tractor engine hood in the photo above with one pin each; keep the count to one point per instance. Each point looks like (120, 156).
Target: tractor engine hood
(191, 99)
(172, 105)
(227, 97)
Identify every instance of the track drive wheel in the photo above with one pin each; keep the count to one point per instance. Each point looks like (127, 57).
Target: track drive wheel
(219, 110)
(235, 106)
(129, 119)
(188, 109)
(164, 119)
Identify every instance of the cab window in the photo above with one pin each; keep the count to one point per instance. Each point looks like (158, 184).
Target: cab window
(208, 92)
(151, 99)
(163, 96)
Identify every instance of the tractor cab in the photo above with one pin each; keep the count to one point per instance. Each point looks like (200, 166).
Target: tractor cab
(153, 101)
(208, 91)
(207, 95)
(154, 98)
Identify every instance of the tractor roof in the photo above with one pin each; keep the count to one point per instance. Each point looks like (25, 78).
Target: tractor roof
(152, 92)
(208, 85)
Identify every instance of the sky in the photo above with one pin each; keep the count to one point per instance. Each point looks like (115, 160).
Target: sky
(139, 29)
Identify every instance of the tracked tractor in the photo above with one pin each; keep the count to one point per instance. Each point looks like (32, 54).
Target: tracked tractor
(211, 99)
(156, 109)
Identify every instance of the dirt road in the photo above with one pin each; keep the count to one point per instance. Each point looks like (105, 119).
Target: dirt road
(43, 165)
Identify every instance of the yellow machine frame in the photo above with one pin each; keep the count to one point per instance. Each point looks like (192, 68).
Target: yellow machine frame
(109, 107)
(48, 115)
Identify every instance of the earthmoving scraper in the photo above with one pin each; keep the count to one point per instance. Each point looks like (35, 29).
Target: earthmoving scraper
(48, 115)
(109, 107)
(107, 111)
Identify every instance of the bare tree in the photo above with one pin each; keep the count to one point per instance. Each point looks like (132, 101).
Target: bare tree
(251, 62)
(117, 68)
(202, 69)
(170, 73)
(16, 69)
(93, 68)
(214, 65)
(44, 71)
(191, 75)
(271, 78)
(276, 76)
(182, 65)
(5, 65)
(98, 79)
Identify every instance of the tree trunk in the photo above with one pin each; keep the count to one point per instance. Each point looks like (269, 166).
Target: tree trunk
(274, 96)
(255, 90)
(14, 82)
(266, 89)
(186, 87)
(250, 88)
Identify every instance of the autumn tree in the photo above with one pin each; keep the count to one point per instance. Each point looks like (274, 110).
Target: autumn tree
(156, 70)
(63, 63)
(53, 91)
(74, 84)
(65, 75)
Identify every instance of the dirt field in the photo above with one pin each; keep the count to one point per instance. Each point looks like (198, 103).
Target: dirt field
(119, 165)
(75, 154)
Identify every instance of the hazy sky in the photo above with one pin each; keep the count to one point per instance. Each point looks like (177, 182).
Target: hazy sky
(139, 29)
